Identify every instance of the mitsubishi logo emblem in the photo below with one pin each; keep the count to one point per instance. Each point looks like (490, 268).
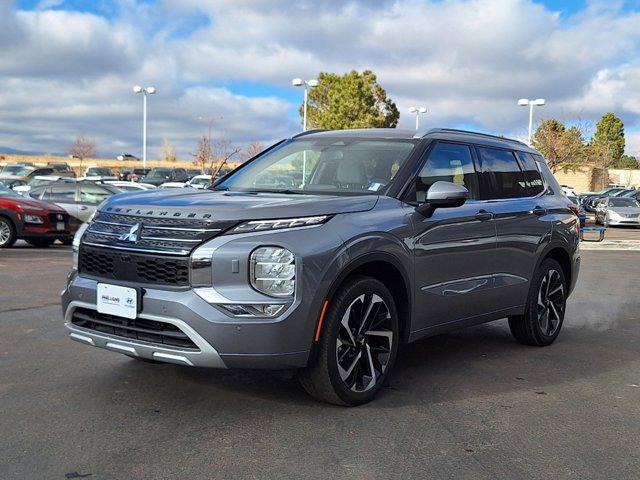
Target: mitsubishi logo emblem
(132, 234)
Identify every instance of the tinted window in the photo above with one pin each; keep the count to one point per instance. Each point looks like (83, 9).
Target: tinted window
(500, 174)
(93, 194)
(623, 202)
(447, 162)
(61, 193)
(532, 177)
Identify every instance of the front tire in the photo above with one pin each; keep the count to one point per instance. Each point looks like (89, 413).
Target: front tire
(358, 346)
(7, 233)
(542, 321)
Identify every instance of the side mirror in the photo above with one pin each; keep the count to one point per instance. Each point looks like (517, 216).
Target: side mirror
(443, 195)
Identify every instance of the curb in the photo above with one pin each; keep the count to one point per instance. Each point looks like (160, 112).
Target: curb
(611, 245)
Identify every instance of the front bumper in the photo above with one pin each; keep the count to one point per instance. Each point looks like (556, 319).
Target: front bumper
(624, 221)
(222, 341)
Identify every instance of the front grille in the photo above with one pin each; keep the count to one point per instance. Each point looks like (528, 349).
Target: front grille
(150, 331)
(164, 235)
(133, 267)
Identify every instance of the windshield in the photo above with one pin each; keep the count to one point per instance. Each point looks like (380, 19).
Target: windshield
(99, 171)
(7, 192)
(159, 173)
(16, 170)
(325, 165)
(623, 202)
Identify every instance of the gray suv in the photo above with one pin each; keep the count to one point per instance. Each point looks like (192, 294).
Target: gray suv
(326, 253)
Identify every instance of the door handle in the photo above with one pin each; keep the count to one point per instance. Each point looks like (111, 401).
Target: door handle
(83, 207)
(483, 215)
(539, 211)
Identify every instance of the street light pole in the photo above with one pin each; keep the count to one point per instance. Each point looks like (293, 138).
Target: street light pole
(523, 102)
(307, 84)
(417, 111)
(145, 91)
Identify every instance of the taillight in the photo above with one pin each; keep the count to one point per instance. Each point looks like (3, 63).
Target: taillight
(576, 210)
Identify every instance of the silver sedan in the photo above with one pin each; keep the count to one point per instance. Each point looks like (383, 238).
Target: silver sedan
(618, 211)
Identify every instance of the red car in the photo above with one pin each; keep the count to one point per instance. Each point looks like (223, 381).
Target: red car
(39, 223)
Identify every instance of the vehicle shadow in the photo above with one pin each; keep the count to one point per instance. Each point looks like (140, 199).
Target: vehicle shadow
(471, 363)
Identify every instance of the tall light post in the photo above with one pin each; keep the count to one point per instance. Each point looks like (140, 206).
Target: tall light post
(524, 102)
(145, 91)
(298, 82)
(417, 111)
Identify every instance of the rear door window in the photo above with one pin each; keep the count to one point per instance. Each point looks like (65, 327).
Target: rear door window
(64, 193)
(500, 175)
(93, 194)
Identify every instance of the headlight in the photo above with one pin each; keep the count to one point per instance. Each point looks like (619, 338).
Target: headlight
(273, 271)
(259, 225)
(31, 218)
(75, 245)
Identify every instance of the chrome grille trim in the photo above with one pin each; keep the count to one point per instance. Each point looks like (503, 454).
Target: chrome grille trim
(140, 250)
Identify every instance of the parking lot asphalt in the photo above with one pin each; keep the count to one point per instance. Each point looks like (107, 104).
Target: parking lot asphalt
(469, 404)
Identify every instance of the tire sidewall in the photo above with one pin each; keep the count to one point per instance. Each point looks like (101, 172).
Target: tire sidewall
(349, 293)
(547, 265)
(12, 234)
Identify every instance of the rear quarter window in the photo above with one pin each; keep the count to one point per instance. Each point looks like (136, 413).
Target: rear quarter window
(532, 176)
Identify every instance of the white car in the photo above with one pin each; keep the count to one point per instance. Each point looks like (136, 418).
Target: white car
(130, 186)
(96, 173)
(173, 185)
(568, 191)
(200, 181)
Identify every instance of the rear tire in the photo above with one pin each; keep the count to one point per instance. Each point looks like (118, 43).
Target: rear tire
(358, 346)
(542, 321)
(8, 234)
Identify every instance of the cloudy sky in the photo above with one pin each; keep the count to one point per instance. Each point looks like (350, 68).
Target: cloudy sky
(67, 67)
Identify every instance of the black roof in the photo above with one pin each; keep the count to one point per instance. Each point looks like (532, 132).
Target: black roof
(440, 133)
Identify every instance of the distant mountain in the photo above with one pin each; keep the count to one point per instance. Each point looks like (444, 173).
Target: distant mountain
(15, 151)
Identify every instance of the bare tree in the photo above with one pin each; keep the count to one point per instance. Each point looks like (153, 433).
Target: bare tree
(83, 147)
(203, 155)
(222, 153)
(253, 149)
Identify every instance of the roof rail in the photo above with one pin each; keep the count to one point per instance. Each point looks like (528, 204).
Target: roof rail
(468, 132)
(307, 132)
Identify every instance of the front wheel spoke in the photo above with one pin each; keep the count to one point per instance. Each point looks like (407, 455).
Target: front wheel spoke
(347, 327)
(372, 369)
(555, 312)
(544, 321)
(344, 373)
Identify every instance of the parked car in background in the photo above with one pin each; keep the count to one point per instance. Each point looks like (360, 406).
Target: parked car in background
(20, 175)
(78, 198)
(192, 172)
(568, 191)
(39, 223)
(62, 169)
(99, 173)
(625, 192)
(589, 201)
(174, 185)
(124, 157)
(390, 238)
(618, 211)
(159, 175)
(200, 181)
(578, 208)
(632, 194)
(133, 174)
(24, 187)
(130, 186)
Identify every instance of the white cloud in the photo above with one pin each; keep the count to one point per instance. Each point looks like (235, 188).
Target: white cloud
(63, 72)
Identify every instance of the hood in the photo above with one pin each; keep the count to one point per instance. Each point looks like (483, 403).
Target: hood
(632, 210)
(224, 206)
(29, 204)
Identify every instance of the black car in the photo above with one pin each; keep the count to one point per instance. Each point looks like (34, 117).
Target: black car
(160, 175)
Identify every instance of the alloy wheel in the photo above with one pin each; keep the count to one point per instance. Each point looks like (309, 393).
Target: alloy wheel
(551, 301)
(5, 233)
(364, 342)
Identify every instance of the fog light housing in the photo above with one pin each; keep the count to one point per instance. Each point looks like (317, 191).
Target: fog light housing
(255, 310)
(273, 271)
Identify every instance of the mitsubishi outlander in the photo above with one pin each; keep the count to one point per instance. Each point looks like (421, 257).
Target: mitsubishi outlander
(326, 253)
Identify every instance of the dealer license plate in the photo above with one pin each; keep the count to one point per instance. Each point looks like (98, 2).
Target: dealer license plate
(116, 300)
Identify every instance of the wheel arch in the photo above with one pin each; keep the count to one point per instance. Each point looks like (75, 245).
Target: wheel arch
(387, 269)
(560, 254)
